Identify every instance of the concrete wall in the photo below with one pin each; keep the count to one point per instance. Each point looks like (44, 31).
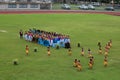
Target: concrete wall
(3, 6)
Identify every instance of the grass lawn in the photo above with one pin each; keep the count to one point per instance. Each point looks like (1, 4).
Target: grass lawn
(87, 29)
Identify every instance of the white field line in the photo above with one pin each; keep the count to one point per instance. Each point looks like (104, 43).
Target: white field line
(114, 61)
(3, 31)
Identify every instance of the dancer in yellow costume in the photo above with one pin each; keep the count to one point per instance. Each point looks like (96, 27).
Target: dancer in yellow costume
(90, 65)
(79, 66)
(110, 43)
(75, 63)
(48, 53)
(100, 50)
(69, 52)
(27, 49)
(92, 60)
(89, 53)
(82, 53)
(106, 52)
(105, 62)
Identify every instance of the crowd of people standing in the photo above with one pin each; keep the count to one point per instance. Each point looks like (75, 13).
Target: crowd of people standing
(45, 38)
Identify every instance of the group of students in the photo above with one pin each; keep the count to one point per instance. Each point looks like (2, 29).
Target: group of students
(107, 50)
(76, 63)
(48, 39)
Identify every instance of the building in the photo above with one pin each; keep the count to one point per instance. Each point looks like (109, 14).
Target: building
(25, 4)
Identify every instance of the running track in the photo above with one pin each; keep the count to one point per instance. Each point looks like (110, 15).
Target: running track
(58, 11)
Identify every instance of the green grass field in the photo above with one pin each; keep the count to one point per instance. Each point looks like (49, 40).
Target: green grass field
(87, 29)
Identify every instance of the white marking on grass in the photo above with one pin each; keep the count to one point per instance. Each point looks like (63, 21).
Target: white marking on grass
(111, 60)
(3, 31)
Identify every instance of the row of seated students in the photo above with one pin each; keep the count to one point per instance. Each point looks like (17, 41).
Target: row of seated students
(47, 39)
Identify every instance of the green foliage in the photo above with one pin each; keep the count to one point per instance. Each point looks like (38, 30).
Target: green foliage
(88, 29)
